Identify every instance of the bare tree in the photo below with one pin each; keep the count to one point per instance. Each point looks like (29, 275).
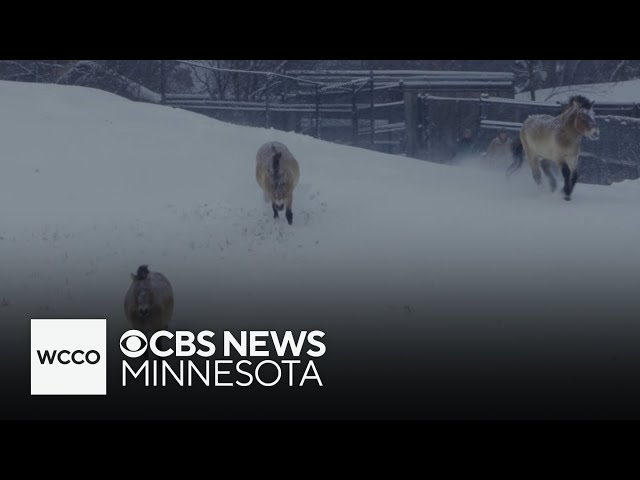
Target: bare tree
(99, 74)
(225, 79)
(618, 69)
(530, 75)
(32, 70)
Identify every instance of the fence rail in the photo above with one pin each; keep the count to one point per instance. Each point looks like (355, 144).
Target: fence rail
(389, 109)
(418, 113)
(370, 104)
(615, 157)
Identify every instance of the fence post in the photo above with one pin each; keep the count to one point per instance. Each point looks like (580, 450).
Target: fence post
(317, 111)
(354, 116)
(420, 124)
(484, 105)
(410, 122)
(372, 112)
(403, 134)
(163, 95)
(267, 117)
(426, 126)
(390, 132)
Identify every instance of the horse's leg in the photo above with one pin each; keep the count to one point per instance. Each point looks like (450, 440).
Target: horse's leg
(289, 213)
(570, 174)
(534, 163)
(546, 168)
(568, 185)
(566, 173)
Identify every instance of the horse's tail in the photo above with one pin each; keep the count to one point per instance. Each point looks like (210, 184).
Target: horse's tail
(275, 161)
(518, 157)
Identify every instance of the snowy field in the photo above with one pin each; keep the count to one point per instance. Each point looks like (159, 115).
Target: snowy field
(93, 185)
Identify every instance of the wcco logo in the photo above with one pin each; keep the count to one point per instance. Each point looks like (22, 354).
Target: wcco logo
(78, 357)
(68, 357)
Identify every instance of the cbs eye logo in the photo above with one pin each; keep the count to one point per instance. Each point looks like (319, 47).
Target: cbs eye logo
(133, 343)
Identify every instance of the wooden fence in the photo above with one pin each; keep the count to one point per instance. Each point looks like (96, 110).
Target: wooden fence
(359, 108)
(614, 157)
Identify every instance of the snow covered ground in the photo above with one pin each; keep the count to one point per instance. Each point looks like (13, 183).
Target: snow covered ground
(93, 185)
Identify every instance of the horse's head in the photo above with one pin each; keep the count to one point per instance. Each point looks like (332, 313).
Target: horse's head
(143, 294)
(585, 118)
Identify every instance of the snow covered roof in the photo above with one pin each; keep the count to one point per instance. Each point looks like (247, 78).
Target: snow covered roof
(616, 92)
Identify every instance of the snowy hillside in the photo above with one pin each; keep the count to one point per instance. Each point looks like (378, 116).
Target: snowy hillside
(93, 185)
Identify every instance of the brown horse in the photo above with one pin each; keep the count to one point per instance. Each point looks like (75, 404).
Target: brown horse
(545, 139)
(148, 303)
(277, 173)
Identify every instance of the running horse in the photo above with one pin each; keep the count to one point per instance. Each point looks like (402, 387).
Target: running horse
(545, 139)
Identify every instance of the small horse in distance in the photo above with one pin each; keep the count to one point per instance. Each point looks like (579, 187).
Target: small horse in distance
(148, 303)
(545, 139)
(277, 173)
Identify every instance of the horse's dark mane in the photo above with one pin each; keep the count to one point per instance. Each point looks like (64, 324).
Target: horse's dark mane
(583, 102)
(143, 272)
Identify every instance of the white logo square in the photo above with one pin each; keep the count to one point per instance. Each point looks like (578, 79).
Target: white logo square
(68, 357)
